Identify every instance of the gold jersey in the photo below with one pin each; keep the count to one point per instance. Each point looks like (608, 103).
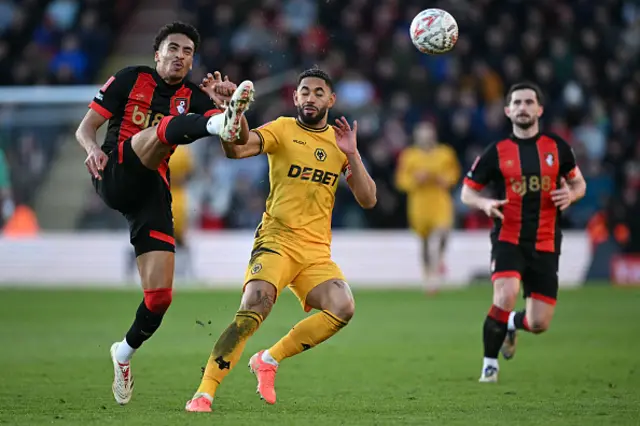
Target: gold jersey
(428, 198)
(181, 164)
(305, 165)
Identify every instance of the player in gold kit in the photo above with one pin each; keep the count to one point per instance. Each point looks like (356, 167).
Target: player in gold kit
(426, 172)
(292, 246)
(181, 169)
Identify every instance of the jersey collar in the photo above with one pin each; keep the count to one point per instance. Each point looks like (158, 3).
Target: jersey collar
(161, 82)
(311, 129)
(531, 139)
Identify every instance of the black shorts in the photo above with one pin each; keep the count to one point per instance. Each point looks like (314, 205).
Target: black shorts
(142, 196)
(537, 270)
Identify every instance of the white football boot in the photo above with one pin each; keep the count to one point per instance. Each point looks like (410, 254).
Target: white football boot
(122, 378)
(238, 105)
(489, 375)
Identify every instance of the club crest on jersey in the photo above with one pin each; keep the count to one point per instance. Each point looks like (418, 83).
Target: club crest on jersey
(548, 158)
(257, 267)
(320, 154)
(181, 105)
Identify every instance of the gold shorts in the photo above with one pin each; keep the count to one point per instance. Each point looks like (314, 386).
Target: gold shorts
(282, 271)
(425, 225)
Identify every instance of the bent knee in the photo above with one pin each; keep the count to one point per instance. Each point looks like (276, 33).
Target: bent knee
(539, 326)
(259, 296)
(343, 308)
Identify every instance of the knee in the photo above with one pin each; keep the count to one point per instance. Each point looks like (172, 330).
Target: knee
(506, 292)
(259, 296)
(341, 304)
(506, 299)
(158, 300)
(539, 325)
(343, 309)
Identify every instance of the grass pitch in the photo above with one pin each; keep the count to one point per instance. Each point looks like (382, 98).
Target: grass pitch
(404, 359)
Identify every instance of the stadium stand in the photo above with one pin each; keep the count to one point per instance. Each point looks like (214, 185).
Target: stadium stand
(583, 53)
(57, 42)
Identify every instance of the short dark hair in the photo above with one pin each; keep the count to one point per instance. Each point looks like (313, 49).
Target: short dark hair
(317, 73)
(177, 27)
(524, 86)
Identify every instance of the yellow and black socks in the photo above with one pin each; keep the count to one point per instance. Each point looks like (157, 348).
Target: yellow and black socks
(228, 349)
(308, 333)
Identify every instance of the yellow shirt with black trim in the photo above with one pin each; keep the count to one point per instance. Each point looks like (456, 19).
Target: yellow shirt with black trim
(430, 198)
(305, 165)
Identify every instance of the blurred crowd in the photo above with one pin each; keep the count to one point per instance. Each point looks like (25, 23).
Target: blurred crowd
(46, 42)
(583, 54)
(56, 42)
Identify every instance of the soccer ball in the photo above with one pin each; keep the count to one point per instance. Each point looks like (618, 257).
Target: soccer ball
(434, 31)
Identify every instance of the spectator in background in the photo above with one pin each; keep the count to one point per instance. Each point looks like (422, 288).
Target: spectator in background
(7, 10)
(63, 13)
(6, 198)
(70, 64)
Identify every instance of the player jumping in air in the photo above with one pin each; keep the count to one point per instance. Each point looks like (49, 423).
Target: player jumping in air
(536, 178)
(292, 246)
(426, 172)
(150, 112)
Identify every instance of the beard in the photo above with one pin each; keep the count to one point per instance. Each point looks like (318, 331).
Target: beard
(311, 119)
(524, 122)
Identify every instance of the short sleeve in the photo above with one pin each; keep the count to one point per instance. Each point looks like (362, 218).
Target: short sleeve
(568, 166)
(114, 92)
(269, 135)
(483, 170)
(201, 104)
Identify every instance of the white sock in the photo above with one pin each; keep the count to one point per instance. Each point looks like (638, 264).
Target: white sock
(489, 362)
(511, 325)
(124, 352)
(215, 123)
(266, 357)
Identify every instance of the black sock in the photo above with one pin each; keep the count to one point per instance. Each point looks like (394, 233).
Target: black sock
(425, 251)
(520, 321)
(183, 129)
(494, 331)
(144, 325)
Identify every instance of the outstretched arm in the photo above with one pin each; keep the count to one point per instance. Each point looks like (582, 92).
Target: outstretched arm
(360, 182)
(249, 144)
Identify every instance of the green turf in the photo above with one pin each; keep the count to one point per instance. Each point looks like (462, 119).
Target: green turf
(405, 359)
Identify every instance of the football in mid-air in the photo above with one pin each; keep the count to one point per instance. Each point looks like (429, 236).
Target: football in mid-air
(434, 31)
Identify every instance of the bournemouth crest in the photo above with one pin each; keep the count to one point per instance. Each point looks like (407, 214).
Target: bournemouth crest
(181, 105)
(549, 159)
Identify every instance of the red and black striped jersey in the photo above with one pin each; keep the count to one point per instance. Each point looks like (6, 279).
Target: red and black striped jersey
(137, 97)
(525, 171)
